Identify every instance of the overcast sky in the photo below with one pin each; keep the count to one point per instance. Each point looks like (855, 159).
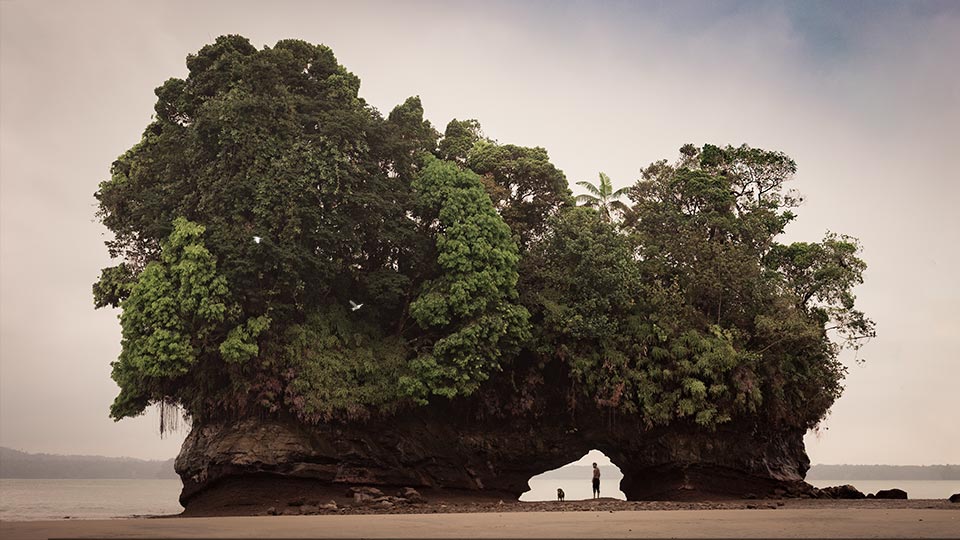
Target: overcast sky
(865, 96)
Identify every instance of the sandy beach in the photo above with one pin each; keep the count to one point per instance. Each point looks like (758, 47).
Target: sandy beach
(822, 521)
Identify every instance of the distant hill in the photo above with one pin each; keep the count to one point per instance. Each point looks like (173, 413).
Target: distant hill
(582, 472)
(817, 472)
(884, 472)
(16, 464)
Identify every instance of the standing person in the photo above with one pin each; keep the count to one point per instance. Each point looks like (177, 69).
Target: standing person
(596, 481)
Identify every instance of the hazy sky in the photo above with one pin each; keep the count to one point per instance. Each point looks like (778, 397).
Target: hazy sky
(865, 96)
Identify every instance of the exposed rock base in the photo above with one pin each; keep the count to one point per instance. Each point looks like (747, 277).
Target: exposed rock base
(435, 450)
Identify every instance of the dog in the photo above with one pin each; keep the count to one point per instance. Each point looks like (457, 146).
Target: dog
(560, 494)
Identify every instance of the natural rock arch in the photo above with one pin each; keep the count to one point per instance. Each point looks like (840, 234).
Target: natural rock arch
(454, 448)
(574, 478)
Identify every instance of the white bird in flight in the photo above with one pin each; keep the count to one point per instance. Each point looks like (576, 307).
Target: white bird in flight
(257, 239)
(355, 306)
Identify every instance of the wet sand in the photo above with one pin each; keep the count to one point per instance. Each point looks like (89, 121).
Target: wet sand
(809, 522)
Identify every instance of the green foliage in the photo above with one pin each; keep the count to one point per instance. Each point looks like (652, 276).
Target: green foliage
(822, 276)
(266, 197)
(241, 343)
(525, 187)
(407, 136)
(582, 287)
(627, 341)
(114, 285)
(458, 139)
(272, 144)
(472, 300)
(339, 368)
(690, 310)
(173, 313)
(707, 226)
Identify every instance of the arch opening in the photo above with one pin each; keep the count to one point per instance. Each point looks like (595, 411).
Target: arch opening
(575, 479)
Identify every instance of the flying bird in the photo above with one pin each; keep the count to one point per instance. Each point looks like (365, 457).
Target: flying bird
(257, 239)
(355, 306)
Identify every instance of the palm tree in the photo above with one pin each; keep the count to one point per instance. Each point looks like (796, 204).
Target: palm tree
(604, 198)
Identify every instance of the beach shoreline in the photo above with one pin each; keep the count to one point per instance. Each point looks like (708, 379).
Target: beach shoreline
(472, 506)
(824, 519)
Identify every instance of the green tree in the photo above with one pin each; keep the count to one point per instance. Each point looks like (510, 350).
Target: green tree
(603, 197)
(179, 310)
(406, 137)
(822, 276)
(584, 294)
(305, 196)
(472, 301)
(707, 226)
(458, 139)
(629, 342)
(525, 187)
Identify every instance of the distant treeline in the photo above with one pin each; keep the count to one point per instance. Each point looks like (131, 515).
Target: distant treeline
(884, 472)
(817, 472)
(583, 472)
(16, 464)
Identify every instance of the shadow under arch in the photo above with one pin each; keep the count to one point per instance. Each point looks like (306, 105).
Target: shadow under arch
(575, 480)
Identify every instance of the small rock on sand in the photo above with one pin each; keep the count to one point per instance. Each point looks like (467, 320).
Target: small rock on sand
(411, 495)
(364, 494)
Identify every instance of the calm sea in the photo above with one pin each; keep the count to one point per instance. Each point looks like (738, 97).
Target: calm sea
(31, 499)
(22, 500)
(546, 489)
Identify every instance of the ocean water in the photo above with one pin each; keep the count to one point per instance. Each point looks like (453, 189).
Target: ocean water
(574, 489)
(23, 500)
(33, 499)
(545, 489)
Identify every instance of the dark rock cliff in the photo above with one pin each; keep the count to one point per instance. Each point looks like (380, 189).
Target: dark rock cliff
(494, 445)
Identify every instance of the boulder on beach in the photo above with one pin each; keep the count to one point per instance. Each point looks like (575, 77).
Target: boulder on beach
(891, 494)
(955, 498)
(845, 491)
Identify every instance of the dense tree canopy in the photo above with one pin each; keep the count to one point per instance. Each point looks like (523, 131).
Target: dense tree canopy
(282, 248)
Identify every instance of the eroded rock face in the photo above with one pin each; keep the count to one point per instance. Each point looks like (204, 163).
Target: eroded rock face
(437, 449)
(492, 444)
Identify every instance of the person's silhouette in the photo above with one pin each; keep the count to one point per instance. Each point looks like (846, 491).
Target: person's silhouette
(596, 481)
